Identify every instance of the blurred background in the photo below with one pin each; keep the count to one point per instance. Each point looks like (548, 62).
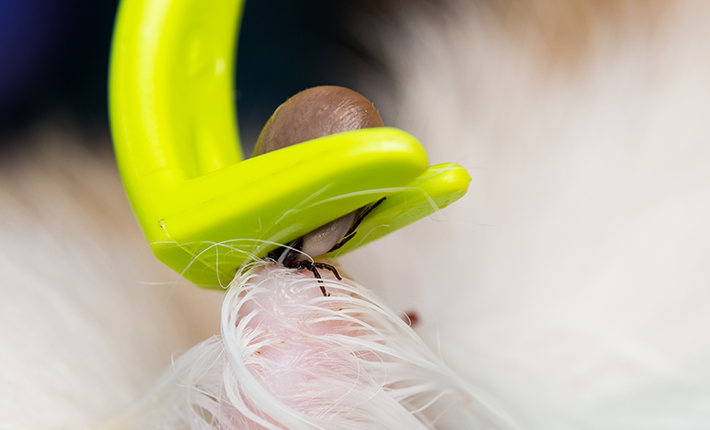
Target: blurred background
(54, 59)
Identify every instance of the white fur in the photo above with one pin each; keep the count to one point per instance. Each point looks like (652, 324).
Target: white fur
(88, 318)
(291, 358)
(573, 279)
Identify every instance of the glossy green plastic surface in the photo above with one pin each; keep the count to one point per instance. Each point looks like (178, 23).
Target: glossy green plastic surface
(203, 210)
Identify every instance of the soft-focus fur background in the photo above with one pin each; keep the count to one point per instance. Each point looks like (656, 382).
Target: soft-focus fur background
(571, 282)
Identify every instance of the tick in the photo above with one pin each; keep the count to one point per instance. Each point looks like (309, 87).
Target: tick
(310, 114)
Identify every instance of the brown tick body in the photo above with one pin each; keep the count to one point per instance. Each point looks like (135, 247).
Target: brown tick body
(310, 114)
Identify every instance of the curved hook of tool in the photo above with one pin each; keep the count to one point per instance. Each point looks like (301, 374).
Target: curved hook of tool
(204, 211)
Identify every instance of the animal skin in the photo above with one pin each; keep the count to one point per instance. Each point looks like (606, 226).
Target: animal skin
(570, 283)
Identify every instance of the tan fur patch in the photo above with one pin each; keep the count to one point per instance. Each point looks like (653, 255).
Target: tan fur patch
(563, 32)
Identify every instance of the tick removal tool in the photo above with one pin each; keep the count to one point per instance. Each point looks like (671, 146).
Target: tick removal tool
(321, 184)
(206, 211)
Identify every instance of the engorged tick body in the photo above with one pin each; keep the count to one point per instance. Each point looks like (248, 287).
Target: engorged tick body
(310, 114)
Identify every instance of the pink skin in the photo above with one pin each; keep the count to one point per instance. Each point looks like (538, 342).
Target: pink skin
(298, 360)
(289, 358)
(293, 356)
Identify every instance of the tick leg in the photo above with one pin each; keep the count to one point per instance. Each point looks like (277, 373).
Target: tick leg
(312, 267)
(328, 267)
(351, 232)
(365, 213)
(343, 241)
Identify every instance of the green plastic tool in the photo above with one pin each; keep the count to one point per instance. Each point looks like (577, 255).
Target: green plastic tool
(204, 211)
